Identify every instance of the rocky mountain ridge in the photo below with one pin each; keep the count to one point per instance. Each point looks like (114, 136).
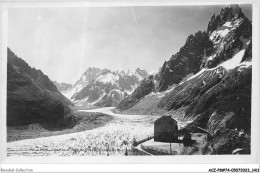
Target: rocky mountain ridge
(208, 83)
(205, 50)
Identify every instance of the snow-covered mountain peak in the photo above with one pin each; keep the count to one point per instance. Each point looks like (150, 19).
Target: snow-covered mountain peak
(103, 87)
(225, 30)
(121, 72)
(108, 78)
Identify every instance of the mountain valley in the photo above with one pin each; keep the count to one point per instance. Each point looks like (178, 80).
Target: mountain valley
(206, 85)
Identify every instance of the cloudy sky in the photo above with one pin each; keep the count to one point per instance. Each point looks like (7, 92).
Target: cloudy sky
(64, 42)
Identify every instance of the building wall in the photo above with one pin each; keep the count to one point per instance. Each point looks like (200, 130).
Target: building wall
(165, 130)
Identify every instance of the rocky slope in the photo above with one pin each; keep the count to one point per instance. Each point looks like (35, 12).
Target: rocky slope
(31, 96)
(62, 87)
(103, 88)
(209, 80)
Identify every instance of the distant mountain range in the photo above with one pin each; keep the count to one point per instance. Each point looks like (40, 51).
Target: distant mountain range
(102, 87)
(208, 80)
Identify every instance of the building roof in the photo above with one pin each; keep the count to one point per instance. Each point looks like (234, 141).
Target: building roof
(169, 118)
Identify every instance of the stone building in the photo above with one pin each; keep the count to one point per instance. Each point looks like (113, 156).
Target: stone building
(165, 129)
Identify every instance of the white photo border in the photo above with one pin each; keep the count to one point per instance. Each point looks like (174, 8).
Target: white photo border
(253, 158)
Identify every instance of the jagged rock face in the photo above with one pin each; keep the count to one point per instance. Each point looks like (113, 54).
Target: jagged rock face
(187, 60)
(224, 37)
(109, 88)
(232, 12)
(227, 32)
(31, 96)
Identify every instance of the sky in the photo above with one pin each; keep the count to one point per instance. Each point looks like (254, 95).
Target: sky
(63, 42)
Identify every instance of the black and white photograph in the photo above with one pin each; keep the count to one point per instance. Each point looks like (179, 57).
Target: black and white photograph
(123, 81)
